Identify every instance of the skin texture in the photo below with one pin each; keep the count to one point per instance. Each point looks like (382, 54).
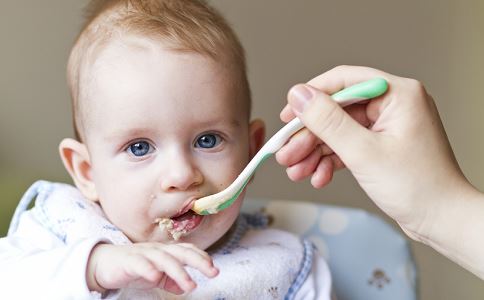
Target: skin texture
(165, 103)
(396, 148)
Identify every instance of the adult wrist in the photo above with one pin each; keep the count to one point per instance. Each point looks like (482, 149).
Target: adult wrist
(456, 229)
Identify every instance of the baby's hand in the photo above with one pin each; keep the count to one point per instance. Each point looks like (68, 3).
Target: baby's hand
(145, 266)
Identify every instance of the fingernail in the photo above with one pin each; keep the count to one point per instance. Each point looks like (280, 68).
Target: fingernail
(299, 96)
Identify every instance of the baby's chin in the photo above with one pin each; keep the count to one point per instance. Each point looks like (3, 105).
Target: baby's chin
(152, 235)
(214, 232)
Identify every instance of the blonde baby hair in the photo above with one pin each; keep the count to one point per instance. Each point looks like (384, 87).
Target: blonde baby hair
(181, 25)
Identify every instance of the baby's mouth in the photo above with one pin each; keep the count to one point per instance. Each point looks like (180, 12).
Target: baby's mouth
(181, 224)
(187, 221)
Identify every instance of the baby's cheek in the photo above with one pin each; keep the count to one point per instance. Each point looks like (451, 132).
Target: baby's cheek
(129, 218)
(237, 166)
(225, 219)
(223, 177)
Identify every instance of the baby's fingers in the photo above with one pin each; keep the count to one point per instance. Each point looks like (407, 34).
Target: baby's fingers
(172, 267)
(193, 257)
(149, 276)
(141, 272)
(171, 286)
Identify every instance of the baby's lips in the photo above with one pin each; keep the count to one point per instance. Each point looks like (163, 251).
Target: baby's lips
(188, 206)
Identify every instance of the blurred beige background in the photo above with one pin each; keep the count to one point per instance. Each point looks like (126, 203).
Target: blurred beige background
(439, 42)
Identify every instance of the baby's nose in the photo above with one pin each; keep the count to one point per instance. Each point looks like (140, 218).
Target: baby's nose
(180, 174)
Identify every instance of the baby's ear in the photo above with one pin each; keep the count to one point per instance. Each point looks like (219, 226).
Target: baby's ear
(257, 133)
(76, 160)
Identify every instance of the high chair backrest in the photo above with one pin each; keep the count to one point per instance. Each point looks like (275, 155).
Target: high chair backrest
(368, 258)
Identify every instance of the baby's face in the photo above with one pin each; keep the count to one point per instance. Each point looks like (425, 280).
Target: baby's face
(163, 129)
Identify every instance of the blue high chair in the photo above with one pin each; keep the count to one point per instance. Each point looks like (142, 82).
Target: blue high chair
(368, 258)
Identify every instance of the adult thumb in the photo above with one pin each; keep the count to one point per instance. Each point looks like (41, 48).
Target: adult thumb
(325, 118)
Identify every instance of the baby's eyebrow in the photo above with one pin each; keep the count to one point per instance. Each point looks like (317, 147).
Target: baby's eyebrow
(128, 133)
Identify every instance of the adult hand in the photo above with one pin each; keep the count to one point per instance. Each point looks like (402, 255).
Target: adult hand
(396, 148)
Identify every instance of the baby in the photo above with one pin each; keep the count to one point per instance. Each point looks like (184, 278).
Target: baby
(161, 107)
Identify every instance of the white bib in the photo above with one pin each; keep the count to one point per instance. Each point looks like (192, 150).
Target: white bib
(256, 262)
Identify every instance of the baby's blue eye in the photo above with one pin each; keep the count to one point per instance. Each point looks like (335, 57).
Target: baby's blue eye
(208, 141)
(139, 148)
